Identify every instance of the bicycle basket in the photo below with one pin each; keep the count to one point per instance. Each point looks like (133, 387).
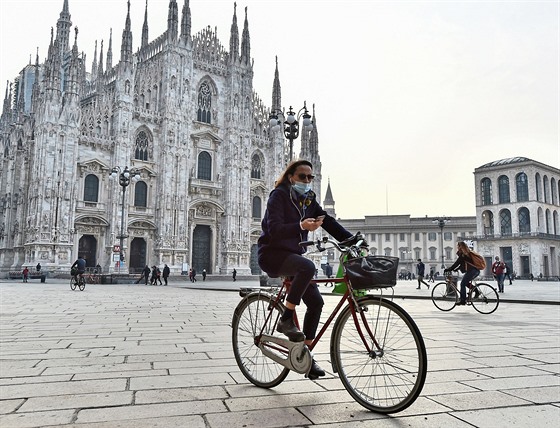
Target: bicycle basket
(372, 271)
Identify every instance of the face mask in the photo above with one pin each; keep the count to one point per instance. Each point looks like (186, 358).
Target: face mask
(301, 188)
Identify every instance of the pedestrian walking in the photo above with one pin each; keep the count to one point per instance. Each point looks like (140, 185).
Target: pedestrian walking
(166, 272)
(508, 273)
(154, 275)
(234, 275)
(203, 274)
(498, 269)
(158, 275)
(431, 278)
(190, 275)
(25, 274)
(193, 275)
(146, 272)
(420, 268)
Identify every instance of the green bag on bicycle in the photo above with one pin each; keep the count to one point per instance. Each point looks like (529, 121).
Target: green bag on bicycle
(341, 287)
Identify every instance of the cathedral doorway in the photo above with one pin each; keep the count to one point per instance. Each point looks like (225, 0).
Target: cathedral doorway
(137, 255)
(87, 248)
(202, 240)
(255, 268)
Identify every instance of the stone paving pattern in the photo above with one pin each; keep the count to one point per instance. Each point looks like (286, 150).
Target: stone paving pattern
(143, 356)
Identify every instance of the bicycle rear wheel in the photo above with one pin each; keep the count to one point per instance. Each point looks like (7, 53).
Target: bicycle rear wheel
(388, 379)
(72, 284)
(444, 296)
(248, 321)
(484, 298)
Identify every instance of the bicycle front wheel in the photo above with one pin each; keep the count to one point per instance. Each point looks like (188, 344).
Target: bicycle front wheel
(248, 320)
(391, 376)
(444, 296)
(484, 298)
(82, 284)
(72, 284)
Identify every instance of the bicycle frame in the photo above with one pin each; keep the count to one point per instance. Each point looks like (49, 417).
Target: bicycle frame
(347, 297)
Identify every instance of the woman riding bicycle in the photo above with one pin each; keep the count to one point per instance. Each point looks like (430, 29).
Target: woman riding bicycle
(292, 212)
(464, 264)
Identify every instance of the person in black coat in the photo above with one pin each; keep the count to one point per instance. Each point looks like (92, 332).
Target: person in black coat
(292, 212)
(165, 273)
(146, 272)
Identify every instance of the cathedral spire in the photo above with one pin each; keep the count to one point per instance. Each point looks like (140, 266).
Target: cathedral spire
(245, 42)
(234, 37)
(172, 20)
(145, 28)
(126, 44)
(186, 21)
(63, 29)
(35, 90)
(94, 63)
(7, 98)
(100, 70)
(110, 51)
(276, 91)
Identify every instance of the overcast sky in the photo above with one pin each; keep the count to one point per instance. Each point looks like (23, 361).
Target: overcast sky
(411, 96)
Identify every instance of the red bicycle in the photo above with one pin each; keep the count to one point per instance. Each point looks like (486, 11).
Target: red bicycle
(375, 347)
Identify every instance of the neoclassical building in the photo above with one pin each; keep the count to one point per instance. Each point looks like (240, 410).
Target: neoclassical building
(517, 214)
(517, 218)
(181, 111)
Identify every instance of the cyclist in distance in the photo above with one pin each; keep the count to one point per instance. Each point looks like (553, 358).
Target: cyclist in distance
(292, 212)
(80, 266)
(464, 264)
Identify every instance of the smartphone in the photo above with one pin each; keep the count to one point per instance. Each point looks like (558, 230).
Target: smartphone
(320, 218)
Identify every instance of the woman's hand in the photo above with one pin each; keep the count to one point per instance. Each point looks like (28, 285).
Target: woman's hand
(311, 224)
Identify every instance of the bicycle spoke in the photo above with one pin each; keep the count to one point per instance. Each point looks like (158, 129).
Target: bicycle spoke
(390, 380)
(248, 321)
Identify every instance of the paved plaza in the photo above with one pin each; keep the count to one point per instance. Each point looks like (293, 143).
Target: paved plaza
(145, 356)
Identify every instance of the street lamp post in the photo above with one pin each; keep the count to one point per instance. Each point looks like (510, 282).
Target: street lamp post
(124, 180)
(291, 124)
(441, 222)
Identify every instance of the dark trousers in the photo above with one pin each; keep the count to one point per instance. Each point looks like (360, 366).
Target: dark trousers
(302, 270)
(467, 278)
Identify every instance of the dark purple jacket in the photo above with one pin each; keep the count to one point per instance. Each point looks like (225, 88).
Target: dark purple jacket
(281, 231)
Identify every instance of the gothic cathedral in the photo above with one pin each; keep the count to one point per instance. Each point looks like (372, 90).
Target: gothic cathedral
(180, 112)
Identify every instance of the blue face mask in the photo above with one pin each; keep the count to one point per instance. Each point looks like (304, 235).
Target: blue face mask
(301, 188)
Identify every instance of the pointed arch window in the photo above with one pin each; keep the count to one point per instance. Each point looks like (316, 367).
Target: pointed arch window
(486, 190)
(524, 220)
(204, 166)
(522, 187)
(256, 167)
(503, 189)
(505, 222)
(141, 194)
(142, 146)
(204, 103)
(257, 207)
(91, 188)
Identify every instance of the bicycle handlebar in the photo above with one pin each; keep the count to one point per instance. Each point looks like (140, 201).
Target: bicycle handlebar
(352, 245)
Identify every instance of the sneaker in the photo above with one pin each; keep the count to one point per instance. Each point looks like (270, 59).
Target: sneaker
(315, 371)
(418, 288)
(288, 328)
(461, 303)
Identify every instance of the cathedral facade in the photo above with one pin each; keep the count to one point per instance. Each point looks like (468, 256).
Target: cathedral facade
(181, 112)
